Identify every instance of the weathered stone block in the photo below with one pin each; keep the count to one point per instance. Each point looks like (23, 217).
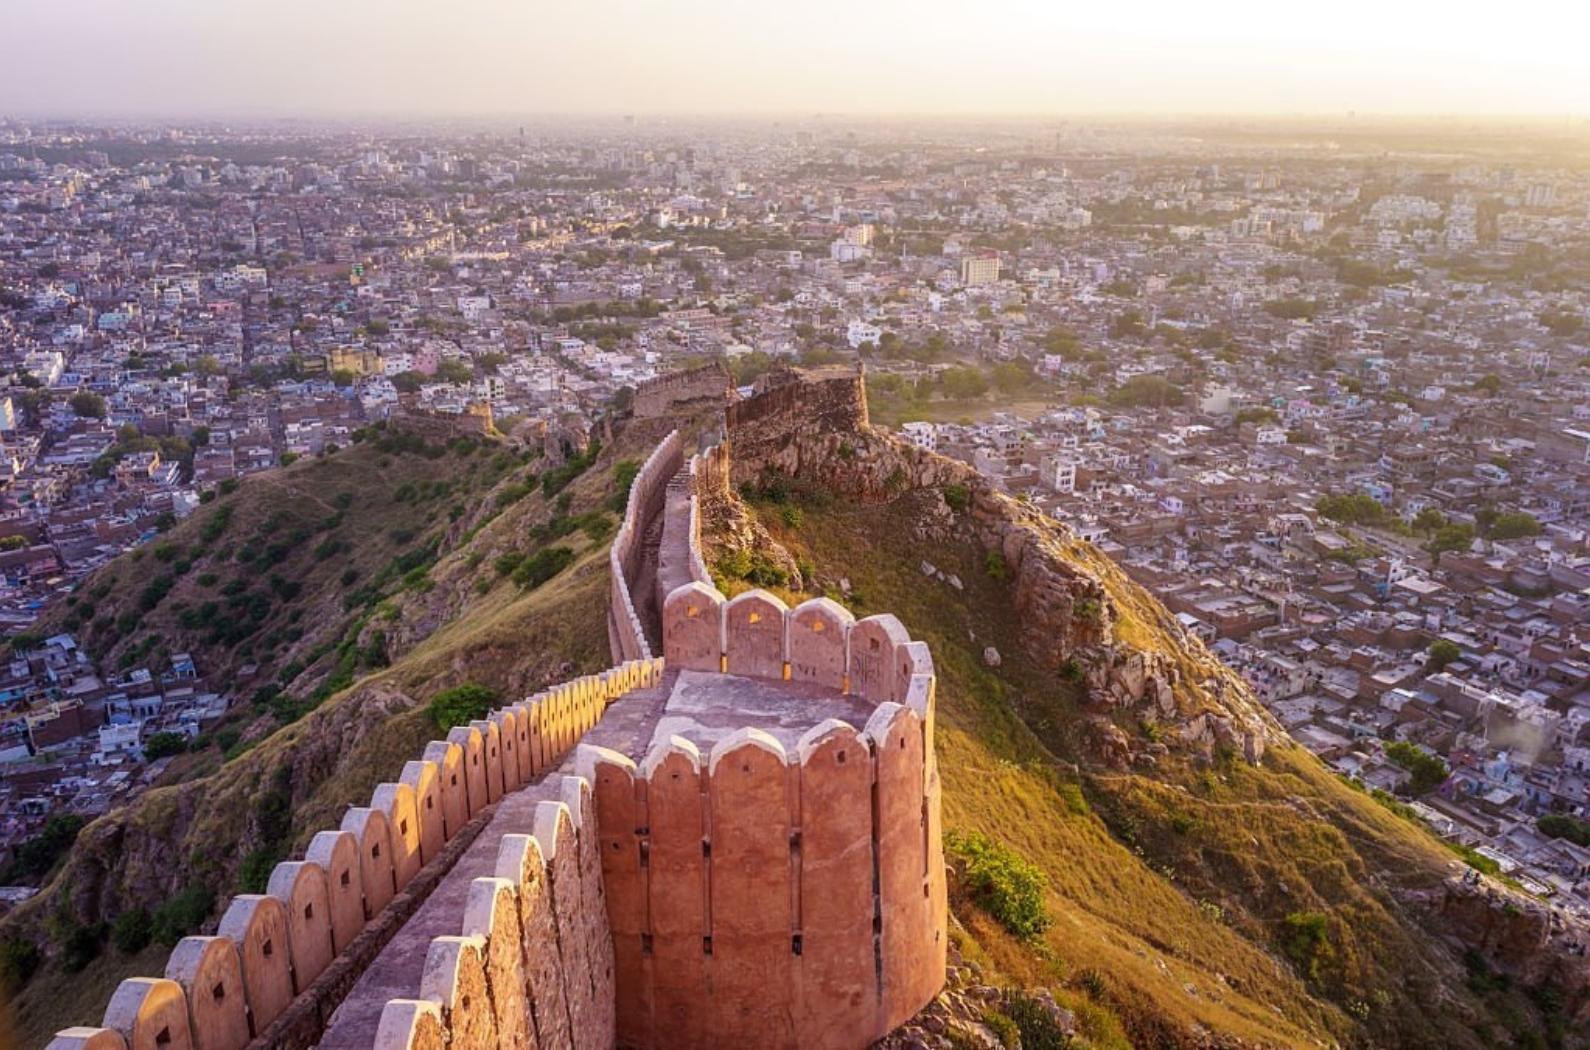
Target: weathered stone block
(211, 976)
(257, 924)
(301, 887)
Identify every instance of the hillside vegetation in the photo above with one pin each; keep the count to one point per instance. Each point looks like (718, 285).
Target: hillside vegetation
(1187, 902)
(358, 586)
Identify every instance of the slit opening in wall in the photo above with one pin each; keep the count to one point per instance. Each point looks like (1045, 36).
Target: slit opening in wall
(706, 946)
(645, 944)
(795, 944)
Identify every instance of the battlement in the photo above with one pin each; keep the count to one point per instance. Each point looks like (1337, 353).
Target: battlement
(281, 962)
(737, 843)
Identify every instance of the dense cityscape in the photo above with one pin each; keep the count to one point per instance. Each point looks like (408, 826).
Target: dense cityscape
(1323, 390)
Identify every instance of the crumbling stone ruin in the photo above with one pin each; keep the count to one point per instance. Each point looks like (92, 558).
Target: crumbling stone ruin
(707, 386)
(475, 421)
(736, 842)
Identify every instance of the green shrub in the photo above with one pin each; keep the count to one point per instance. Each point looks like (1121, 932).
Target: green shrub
(161, 745)
(36, 856)
(957, 497)
(1305, 938)
(507, 562)
(995, 567)
(80, 945)
(255, 872)
(792, 516)
(132, 931)
(1003, 883)
(545, 564)
(19, 959)
(1037, 1028)
(461, 705)
(182, 914)
(1004, 1029)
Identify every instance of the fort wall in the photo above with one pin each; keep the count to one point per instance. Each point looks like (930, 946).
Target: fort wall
(708, 385)
(281, 961)
(804, 887)
(626, 635)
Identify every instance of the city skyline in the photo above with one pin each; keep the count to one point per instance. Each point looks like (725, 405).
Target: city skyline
(495, 57)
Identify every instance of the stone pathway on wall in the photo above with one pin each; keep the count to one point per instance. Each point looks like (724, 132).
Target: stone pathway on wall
(703, 708)
(628, 724)
(673, 553)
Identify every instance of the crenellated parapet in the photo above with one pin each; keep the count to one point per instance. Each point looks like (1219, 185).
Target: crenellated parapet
(800, 880)
(281, 961)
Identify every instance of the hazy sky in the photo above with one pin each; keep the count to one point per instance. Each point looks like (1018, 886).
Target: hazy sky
(326, 57)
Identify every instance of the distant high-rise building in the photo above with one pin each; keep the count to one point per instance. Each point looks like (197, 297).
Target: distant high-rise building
(980, 268)
(1541, 195)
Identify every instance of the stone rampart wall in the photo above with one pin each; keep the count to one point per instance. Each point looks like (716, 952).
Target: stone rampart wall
(532, 965)
(805, 889)
(626, 636)
(769, 898)
(280, 960)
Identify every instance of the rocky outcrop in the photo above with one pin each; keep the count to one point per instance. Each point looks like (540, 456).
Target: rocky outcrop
(1066, 594)
(1530, 940)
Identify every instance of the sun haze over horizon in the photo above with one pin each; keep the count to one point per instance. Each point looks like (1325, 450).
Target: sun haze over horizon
(488, 57)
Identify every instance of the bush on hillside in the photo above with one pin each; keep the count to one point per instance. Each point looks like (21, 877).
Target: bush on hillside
(1003, 883)
(461, 705)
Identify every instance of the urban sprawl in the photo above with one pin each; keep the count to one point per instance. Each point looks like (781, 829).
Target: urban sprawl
(1326, 395)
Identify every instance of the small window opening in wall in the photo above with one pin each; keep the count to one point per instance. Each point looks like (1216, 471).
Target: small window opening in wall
(645, 944)
(706, 848)
(874, 644)
(265, 949)
(429, 802)
(218, 993)
(375, 850)
(706, 946)
(839, 757)
(795, 944)
(455, 780)
(164, 1038)
(463, 1004)
(345, 877)
(309, 911)
(403, 827)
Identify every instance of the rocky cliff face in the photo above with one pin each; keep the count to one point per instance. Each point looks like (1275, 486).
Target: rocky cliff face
(1068, 596)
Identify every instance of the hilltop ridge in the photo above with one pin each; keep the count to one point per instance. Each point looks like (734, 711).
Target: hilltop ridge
(1209, 880)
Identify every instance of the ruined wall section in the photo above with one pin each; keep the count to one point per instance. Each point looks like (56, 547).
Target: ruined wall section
(282, 960)
(707, 385)
(626, 636)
